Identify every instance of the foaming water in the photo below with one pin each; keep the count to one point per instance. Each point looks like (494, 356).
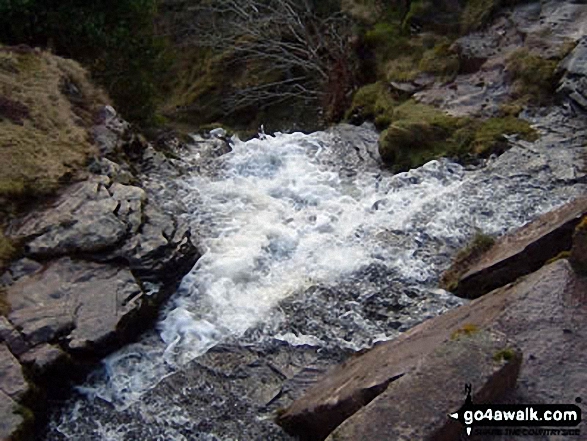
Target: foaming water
(279, 215)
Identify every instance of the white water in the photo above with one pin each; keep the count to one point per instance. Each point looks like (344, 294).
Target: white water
(278, 217)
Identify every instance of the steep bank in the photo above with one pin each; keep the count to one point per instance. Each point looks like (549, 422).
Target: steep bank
(96, 244)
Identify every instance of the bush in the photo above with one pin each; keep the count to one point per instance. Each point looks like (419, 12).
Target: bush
(115, 39)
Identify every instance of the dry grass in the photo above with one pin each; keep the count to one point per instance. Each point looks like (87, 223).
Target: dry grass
(48, 107)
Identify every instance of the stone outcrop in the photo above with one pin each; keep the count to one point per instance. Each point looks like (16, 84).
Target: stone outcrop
(542, 314)
(82, 305)
(523, 251)
(416, 406)
(98, 261)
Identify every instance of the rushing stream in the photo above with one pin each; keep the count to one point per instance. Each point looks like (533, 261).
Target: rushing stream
(311, 252)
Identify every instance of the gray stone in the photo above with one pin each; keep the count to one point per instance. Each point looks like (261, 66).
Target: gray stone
(88, 217)
(83, 303)
(574, 81)
(12, 381)
(43, 357)
(416, 407)
(12, 337)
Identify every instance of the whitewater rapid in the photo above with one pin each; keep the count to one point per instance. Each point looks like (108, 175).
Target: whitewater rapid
(289, 214)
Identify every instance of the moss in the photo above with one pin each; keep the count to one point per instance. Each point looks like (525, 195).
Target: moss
(464, 259)
(4, 305)
(7, 249)
(489, 138)
(533, 77)
(466, 330)
(418, 134)
(372, 102)
(505, 354)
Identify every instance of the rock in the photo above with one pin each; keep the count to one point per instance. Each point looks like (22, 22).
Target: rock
(12, 337)
(416, 407)
(11, 419)
(522, 251)
(12, 381)
(110, 131)
(574, 82)
(85, 305)
(579, 250)
(88, 217)
(542, 314)
(43, 357)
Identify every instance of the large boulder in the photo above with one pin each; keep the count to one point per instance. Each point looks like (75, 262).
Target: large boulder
(543, 314)
(522, 251)
(416, 407)
(82, 305)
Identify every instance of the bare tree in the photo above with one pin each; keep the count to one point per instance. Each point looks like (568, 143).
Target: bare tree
(307, 55)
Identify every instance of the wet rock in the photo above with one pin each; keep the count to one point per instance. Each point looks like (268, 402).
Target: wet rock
(12, 381)
(533, 313)
(574, 82)
(416, 406)
(523, 251)
(83, 304)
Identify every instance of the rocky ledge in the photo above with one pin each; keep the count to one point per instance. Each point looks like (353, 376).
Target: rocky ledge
(97, 263)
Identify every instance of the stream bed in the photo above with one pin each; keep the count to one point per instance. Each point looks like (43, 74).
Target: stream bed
(312, 252)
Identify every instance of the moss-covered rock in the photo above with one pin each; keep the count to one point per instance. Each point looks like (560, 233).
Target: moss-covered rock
(489, 138)
(533, 77)
(420, 133)
(372, 102)
(440, 60)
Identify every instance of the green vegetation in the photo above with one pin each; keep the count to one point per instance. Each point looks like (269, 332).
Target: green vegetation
(505, 354)
(477, 13)
(372, 102)
(489, 139)
(419, 133)
(45, 145)
(533, 77)
(115, 40)
(464, 259)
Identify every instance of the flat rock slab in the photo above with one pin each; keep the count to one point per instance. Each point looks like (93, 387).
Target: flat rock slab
(82, 304)
(523, 251)
(416, 407)
(544, 314)
(88, 217)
